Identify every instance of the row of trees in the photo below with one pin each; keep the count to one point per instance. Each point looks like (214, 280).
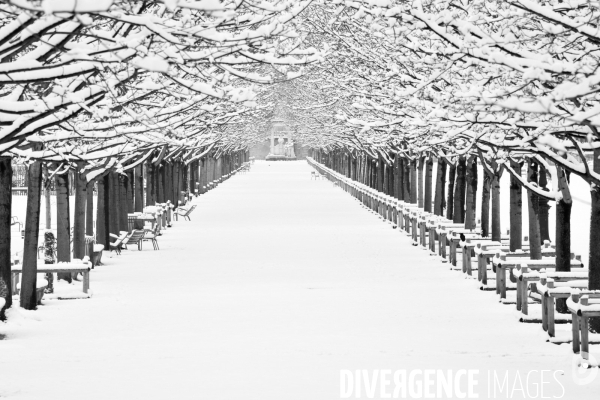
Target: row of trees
(106, 88)
(414, 95)
(387, 89)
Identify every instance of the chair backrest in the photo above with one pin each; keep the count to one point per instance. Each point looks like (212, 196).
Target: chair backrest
(190, 210)
(135, 236)
(119, 239)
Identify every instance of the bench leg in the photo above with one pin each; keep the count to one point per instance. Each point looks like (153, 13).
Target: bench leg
(502, 283)
(432, 240)
(497, 280)
(585, 345)
(524, 296)
(484, 270)
(550, 315)
(86, 281)
(575, 330)
(443, 246)
(519, 294)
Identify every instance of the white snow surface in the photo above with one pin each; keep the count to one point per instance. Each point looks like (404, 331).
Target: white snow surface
(276, 284)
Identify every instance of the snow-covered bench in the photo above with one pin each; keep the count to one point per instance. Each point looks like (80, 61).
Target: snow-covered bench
(77, 266)
(456, 234)
(530, 274)
(443, 229)
(583, 306)
(484, 253)
(509, 262)
(469, 248)
(550, 286)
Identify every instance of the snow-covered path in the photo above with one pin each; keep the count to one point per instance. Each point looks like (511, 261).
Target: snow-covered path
(277, 284)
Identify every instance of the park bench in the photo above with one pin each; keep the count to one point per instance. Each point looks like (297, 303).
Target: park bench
(421, 219)
(76, 266)
(549, 286)
(367, 198)
(184, 212)
(431, 223)
(529, 274)
(469, 247)
(453, 233)
(393, 209)
(386, 210)
(485, 251)
(508, 262)
(442, 229)
(405, 212)
(382, 209)
(583, 305)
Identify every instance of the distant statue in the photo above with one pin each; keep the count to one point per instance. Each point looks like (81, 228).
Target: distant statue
(279, 149)
(289, 149)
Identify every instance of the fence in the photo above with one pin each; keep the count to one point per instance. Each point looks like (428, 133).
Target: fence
(20, 182)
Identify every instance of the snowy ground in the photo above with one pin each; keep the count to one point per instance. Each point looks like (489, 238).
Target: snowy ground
(277, 284)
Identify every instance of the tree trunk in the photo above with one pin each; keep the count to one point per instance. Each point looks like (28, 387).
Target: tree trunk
(398, 194)
(496, 226)
(161, 186)
(139, 188)
(460, 191)
(535, 242)
(544, 207)
(89, 216)
(201, 176)
(129, 189)
(177, 178)
(157, 185)
(150, 180)
(421, 181)
(47, 186)
(413, 182)
(440, 186)
(6, 173)
(103, 212)
(516, 209)
(450, 202)
(113, 203)
(471, 196)
(485, 203)
(123, 224)
(79, 214)
(594, 260)
(63, 223)
(28, 295)
(428, 184)
(381, 181)
(563, 236)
